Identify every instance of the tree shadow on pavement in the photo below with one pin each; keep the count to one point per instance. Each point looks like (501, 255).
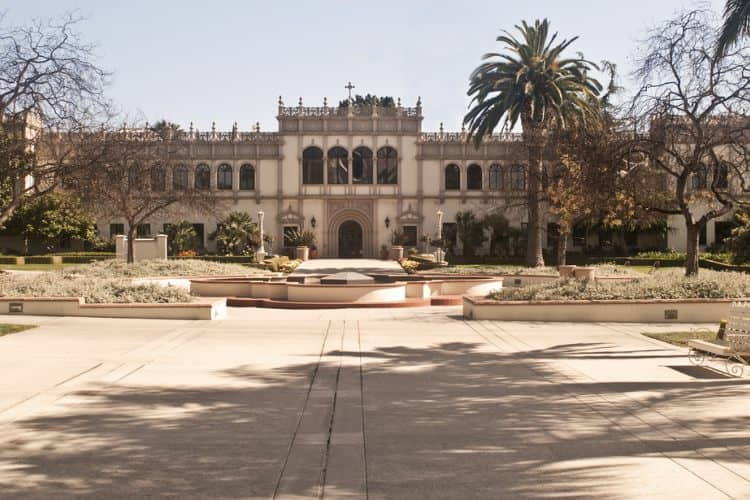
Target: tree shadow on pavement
(454, 420)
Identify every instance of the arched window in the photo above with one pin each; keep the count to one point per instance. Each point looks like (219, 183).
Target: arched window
(224, 177)
(387, 165)
(338, 165)
(362, 165)
(700, 178)
(722, 177)
(452, 178)
(312, 166)
(496, 178)
(474, 177)
(135, 177)
(158, 179)
(180, 178)
(517, 178)
(247, 177)
(202, 177)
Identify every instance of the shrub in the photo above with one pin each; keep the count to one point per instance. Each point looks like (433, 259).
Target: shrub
(668, 284)
(158, 268)
(237, 234)
(410, 266)
(181, 237)
(92, 289)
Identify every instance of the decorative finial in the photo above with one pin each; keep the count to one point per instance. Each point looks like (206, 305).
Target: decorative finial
(213, 127)
(325, 102)
(300, 102)
(398, 102)
(419, 101)
(257, 126)
(441, 127)
(281, 101)
(191, 127)
(463, 128)
(349, 87)
(147, 127)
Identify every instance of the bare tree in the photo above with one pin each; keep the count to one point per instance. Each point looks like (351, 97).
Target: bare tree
(694, 113)
(137, 175)
(48, 81)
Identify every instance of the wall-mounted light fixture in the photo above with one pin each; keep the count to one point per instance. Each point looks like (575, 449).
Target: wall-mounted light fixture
(387, 222)
(313, 222)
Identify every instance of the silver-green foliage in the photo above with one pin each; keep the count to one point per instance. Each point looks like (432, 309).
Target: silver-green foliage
(92, 289)
(158, 268)
(668, 284)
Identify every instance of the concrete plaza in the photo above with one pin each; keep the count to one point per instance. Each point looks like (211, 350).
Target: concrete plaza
(407, 403)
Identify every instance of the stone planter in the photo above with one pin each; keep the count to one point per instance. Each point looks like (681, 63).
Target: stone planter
(585, 273)
(566, 271)
(397, 252)
(303, 253)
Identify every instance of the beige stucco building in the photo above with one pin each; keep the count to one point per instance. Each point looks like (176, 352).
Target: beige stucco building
(354, 175)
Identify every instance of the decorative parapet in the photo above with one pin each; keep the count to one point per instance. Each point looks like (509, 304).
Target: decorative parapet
(442, 137)
(325, 111)
(197, 136)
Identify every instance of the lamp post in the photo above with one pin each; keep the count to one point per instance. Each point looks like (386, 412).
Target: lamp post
(439, 251)
(260, 255)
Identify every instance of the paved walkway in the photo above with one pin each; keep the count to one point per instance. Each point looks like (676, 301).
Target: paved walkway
(332, 266)
(411, 403)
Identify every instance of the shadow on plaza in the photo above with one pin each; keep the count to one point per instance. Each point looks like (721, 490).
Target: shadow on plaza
(450, 421)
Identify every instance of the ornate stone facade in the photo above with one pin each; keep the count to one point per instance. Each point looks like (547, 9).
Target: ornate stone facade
(366, 169)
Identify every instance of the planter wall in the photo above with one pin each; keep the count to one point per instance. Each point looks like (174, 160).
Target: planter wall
(621, 311)
(73, 306)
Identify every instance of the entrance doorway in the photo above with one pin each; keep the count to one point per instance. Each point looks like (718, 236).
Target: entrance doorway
(350, 240)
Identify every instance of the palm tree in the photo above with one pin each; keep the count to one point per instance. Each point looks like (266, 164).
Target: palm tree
(736, 25)
(534, 84)
(237, 234)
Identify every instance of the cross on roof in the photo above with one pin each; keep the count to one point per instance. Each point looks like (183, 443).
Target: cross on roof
(349, 86)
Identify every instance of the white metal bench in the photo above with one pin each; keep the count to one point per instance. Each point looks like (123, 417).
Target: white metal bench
(734, 350)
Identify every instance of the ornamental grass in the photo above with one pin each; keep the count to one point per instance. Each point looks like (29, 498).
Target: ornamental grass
(666, 284)
(159, 268)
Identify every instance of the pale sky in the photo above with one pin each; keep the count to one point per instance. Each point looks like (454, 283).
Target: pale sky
(228, 61)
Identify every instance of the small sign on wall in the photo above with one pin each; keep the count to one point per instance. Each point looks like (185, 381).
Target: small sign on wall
(670, 314)
(15, 307)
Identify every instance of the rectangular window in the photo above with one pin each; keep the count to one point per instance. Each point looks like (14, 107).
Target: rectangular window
(631, 238)
(200, 231)
(143, 231)
(723, 230)
(450, 233)
(289, 234)
(410, 236)
(553, 234)
(116, 230)
(579, 235)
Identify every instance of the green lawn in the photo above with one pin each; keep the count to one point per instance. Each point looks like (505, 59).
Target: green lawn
(8, 328)
(35, 267)
(680, 339)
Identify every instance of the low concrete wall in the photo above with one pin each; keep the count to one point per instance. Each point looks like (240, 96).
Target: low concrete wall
(73, 306)
(143, 248)
(346, 293)
(621, 311)
(478, 287)
(418, 290)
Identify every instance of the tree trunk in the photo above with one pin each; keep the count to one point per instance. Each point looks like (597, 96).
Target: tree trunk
(534, 256)
(693, 249)
(562, 248)
(131, 244)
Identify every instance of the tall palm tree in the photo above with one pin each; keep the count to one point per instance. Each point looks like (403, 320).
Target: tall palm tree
(736, 25)
(532, 83)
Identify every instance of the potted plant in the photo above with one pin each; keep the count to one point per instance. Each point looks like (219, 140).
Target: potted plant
(302, 241)
(397, 244)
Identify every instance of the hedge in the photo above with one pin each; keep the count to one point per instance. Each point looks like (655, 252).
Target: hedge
(226, 259)
(44, 259)
(16, 261)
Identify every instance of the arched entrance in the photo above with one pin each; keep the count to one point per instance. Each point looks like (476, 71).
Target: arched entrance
(350, 240)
